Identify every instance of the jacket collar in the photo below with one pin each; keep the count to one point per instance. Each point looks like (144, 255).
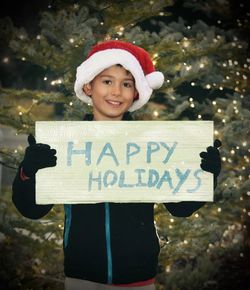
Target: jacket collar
(126, 117)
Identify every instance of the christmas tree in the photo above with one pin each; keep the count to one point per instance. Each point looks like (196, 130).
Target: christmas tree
(201, 47)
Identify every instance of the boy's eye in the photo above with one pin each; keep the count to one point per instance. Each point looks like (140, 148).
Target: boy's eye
(128, 85)
(107, 82)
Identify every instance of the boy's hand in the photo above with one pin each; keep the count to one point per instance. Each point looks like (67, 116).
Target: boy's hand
(211, 160)
(37, 156)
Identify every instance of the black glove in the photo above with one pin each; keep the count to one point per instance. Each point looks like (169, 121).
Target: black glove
(211, 160)
(37, 156)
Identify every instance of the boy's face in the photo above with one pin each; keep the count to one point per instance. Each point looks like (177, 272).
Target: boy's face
(112, 92)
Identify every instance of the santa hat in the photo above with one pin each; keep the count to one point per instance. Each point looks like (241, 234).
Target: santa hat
(133, 58)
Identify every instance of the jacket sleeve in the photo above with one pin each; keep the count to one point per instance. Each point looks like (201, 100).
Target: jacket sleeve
(23, 197)
(183, 208)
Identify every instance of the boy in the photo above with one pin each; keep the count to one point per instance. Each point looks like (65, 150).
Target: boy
(107, 245)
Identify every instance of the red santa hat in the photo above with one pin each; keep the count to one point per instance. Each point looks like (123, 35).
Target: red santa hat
(133, 58)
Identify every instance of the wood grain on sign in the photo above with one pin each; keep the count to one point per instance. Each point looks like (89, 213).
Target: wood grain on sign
(128, 161)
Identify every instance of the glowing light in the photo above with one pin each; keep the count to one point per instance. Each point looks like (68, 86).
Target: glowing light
(202, 65)
(192, 105)
(199, 116)
(216, 132)
(156, 113)
(196, 215)
(192, 84)
(20, 113)
(171, 220)
(208, 86)
(219, 209)
(5, 60)
(23, 58)
(214, 103)
(191, 99)
(71, 40)
(219, 110)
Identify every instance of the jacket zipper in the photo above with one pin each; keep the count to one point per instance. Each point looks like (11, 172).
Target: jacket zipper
(108, 243)
(67, 209)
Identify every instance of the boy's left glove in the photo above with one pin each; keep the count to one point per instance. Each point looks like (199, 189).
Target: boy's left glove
(211, 160)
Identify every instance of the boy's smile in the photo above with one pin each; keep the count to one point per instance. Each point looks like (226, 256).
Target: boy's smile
(112, 92)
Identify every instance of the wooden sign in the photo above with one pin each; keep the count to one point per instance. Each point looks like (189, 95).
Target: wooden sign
(125, 161)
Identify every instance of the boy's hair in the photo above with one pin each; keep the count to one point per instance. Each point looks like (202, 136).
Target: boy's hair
(133, 58)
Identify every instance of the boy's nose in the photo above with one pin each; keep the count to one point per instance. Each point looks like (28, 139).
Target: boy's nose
(116, 90)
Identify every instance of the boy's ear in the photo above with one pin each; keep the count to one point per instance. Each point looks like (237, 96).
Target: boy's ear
(87, 89)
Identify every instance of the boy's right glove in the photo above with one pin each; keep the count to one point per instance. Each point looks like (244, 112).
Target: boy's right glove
(37, 156)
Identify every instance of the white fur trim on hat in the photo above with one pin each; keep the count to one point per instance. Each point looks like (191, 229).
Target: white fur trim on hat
(155, 79)
(103, 59)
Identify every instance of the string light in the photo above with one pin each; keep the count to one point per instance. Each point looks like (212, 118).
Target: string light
(71, 40)
(192, 84)
(214, 103)
(196, 215)
(5, 60)
(23, 58)
(171, 220)
(208, 86)
(56, 82)
(156, 113)
(219, 209)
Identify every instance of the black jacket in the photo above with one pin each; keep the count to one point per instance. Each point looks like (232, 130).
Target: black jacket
(113, 243)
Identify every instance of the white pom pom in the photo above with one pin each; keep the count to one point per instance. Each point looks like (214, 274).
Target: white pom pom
(155, 79)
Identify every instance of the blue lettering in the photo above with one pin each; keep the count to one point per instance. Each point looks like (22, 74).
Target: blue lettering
(71, 151)
(165, 177)
(170, 151)
(110, 153)
(198, 171)
(122, 180)
(130, 153)
(151, 148)
(97, 179)
(113, 179)
(140, 183)
(153, 177)
(182, 178)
